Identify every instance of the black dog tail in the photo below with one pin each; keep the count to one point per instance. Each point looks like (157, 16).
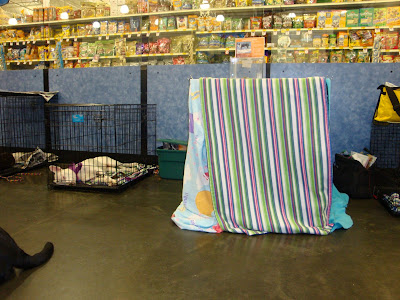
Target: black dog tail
(26, 261)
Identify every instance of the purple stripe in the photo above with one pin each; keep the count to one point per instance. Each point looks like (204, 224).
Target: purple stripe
(225, 152)
(303, 168)
(260, 149)
(328, 145)
(276, 156)
(238, 170)
(313, 150)
(288, 158)
(250, 150)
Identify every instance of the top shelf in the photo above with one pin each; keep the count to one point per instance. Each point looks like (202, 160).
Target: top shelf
(227, 10)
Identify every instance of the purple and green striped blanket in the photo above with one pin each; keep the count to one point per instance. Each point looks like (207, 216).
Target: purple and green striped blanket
(258, 158)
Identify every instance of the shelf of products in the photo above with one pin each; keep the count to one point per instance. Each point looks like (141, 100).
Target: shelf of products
(195, 35)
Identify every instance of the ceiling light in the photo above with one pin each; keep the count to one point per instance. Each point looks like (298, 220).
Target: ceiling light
(96, 24)
(124, 9)
(64, 16)
(12, 21)
(220, 18)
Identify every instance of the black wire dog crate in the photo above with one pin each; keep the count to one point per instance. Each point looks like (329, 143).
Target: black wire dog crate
(101, 146)
(385, 144)
(22, 130)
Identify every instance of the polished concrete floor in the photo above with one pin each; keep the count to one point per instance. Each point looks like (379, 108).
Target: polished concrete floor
(124, 246)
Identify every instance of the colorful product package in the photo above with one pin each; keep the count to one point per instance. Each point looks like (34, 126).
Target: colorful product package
(131, 48)
(298, 22)
(380, 17)
(366, 16)
(256, 22)
(134, 23)
(164, 45)
(121, 27)
(354, 39)
(227, 24)
(352, 18)
(267, 21)
(177, 4)
(324, 19)
(112, 27)
(203, 41)
(192, 22)
(393, 16)
(171, 23)
(343, 39)
(310, 20)
(103, 27)
(154, 20)
(163, 23)
(181, 22)
(391, 40)
(339, 18)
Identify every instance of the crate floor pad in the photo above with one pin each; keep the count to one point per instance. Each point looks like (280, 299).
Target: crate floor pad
(26, 161)
(259, 158)
(86, 176)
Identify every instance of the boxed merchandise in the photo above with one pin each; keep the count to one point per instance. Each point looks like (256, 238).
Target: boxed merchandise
(352, 18)
(324, 19)
(112, 27)
(256, 22)
(366, 16)
(134, 23)
(181, 22)
(393, 16)
(192, 22)
(88, 9)
(103, 27)
(309, 20)
(343, 39)
(339, 18)
(380, 16)
(154, 21)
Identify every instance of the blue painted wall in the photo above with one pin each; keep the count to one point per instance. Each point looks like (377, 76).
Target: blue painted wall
(168, 86)
(353, 100)
(22, 80)
(118, 85)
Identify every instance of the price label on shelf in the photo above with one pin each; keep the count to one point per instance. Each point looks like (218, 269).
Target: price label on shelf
(17, 43)
(365, 50)
(107, 37)
(309, 30)
(129, 36)
(287, 32)
(75, 39)
(227, 51)
(138, 35)
(306, 51)
(363, 27)
(30, 63)
(298, 32)
(79, 61)
(275, 32)
(11, 43)
(377, 30)
(157, 33)
(48, 41)
(263, 32)
(23, 43)
(4, 44)
(391, 28)
(99, 38)
(18, 63)
(24, 62)
(8, 63)
(148, 34)
(34, 42)
(253, 33)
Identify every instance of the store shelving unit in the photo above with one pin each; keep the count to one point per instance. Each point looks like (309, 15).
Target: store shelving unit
(249, 11)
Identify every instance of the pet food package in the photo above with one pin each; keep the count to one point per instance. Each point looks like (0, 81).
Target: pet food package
(352, 18)
(181, 22)
(380, 16)
(393, 16)
(339, 18)
(134, 23)
(324, 19)
(366, 16)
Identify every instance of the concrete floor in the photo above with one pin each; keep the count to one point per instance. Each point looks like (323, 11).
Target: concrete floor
(124, 246)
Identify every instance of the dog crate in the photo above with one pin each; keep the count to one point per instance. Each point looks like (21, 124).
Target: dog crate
(103, 147)
(385, 144)
(23, 130)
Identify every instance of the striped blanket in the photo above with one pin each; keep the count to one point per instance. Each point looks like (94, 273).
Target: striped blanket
(259, 158)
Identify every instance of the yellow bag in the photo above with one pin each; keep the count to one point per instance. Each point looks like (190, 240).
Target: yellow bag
(388, 107)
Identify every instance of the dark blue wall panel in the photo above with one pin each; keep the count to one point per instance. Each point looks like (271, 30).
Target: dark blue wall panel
(353, 97)
(118, 85)
(22, 80)
(168, 87)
